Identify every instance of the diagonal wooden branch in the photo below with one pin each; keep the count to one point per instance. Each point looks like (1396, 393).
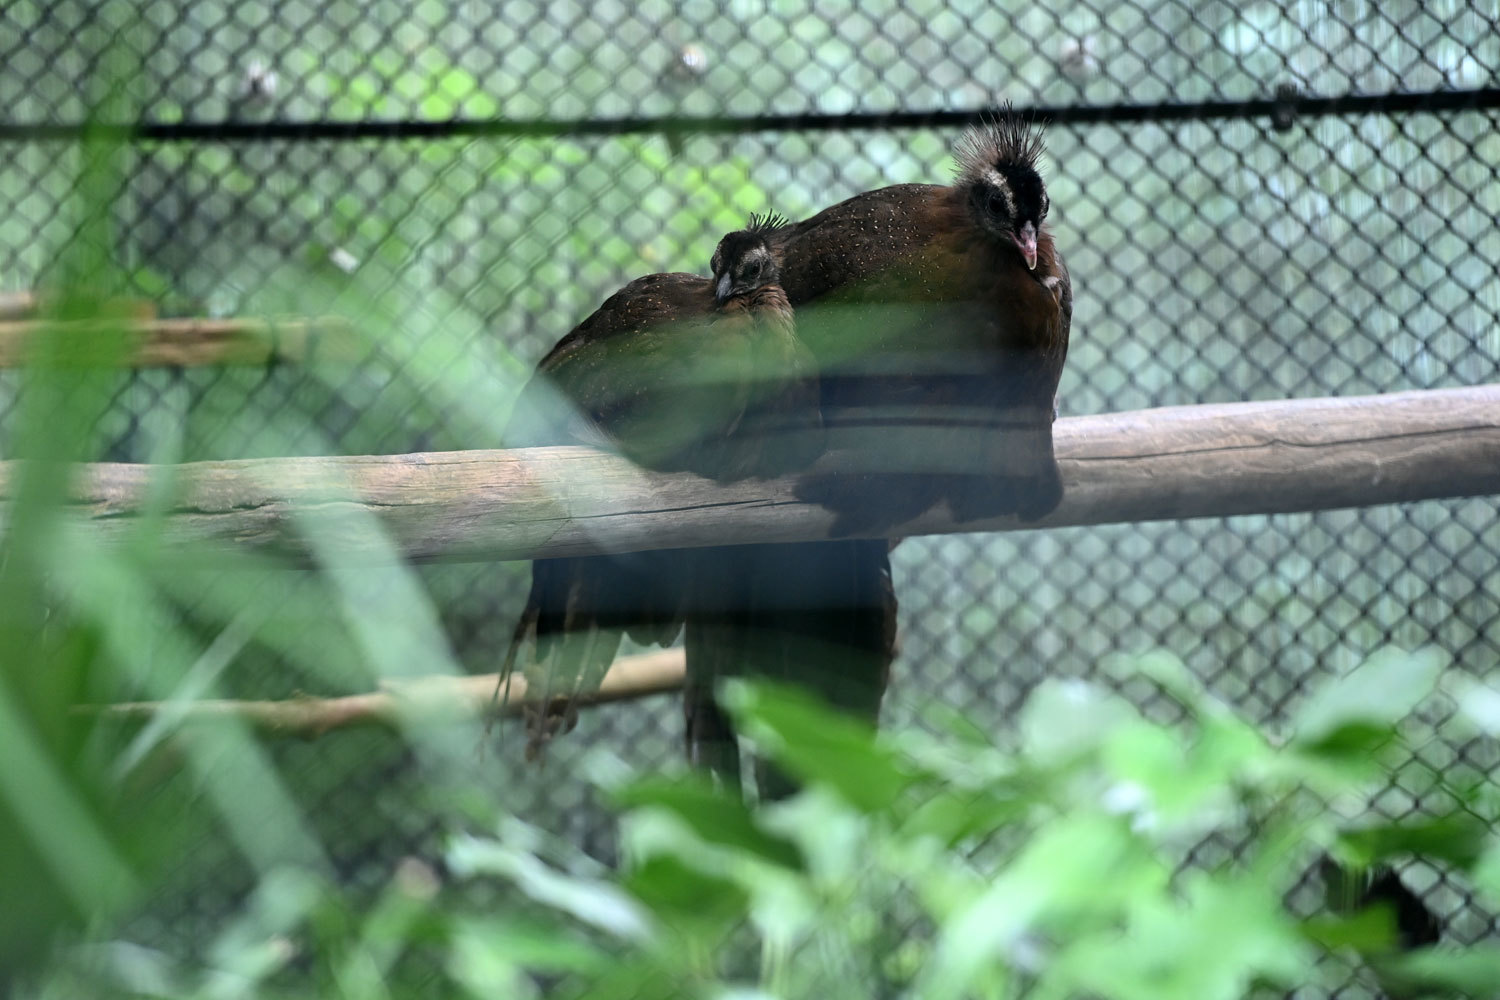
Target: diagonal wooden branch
(421, 699)
(1177, 462)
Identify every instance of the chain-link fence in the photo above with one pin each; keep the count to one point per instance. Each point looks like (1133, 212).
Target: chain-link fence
(1256, 201)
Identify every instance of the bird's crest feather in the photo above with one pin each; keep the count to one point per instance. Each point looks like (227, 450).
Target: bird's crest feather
(1008, 138)
(762, 223)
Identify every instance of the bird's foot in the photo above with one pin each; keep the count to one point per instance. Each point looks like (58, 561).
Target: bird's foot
(546, 722)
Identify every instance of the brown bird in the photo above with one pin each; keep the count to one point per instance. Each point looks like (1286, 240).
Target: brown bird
(939, 316)
(676, 372)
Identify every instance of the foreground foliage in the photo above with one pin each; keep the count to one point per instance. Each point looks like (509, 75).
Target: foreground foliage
(934, 866)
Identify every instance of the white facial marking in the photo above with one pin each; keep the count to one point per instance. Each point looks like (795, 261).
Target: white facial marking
(997, 181)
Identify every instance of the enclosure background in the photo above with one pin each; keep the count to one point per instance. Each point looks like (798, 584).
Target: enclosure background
(1215, 257)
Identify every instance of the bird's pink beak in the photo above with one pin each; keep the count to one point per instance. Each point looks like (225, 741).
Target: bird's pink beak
(1026, 243)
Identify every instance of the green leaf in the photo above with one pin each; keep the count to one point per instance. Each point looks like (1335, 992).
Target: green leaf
(1473, 972)
(1344, 714)
(284, 899)
(1067, 719)
(817, 744)
(536, 945)
(1359, 743)
(1075, 868)
(1211, 940)
(717, 817)
(954, 816)
(692, 900)
(1459, 839)
(595, 902)
(1372, 929)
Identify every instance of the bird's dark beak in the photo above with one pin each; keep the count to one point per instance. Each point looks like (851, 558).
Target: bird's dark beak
(721, 292)
(1026, 243)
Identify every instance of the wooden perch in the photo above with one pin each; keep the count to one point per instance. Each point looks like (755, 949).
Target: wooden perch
(1176, 462)
(419, 699)
(191, 342)
(17, 305)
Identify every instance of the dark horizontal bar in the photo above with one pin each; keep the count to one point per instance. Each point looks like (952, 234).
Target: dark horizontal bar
(1282, 109)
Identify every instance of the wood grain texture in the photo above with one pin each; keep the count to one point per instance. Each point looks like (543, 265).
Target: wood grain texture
(191, 342)
(1177, 462)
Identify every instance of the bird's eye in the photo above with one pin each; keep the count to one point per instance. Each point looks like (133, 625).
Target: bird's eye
(751, 271)
(996, 204)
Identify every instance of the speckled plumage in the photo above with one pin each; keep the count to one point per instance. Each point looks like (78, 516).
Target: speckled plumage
(917, 301)
(937, 342)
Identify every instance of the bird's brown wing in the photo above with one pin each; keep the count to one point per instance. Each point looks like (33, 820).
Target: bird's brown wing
(781, 427)
(673, 383)
(845, 246)
(597, 386)
(588, 386)
(924, 332)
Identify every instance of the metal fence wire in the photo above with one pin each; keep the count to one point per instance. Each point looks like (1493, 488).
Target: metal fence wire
(1257, 201)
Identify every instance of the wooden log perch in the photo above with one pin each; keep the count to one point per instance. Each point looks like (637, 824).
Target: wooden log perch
(422, 699)
(17, 305)
(189, 342)
(1177, 462)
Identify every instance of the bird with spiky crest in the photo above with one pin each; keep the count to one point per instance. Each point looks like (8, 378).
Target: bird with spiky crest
(998, 167)
(939, 315)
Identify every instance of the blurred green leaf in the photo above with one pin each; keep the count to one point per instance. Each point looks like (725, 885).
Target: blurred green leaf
(817, 743)
(1343, 716)
(692, 900)
(1472, 972)
(1486, 872)
(1355, 743)
(717, 817)
(258, 941)
(1066, 719)
(1458, 838)
(1212, 942)
(58, 824)
(595, 902)
(1369, 930)
(1072, 869)
(955, 816)
(488, 951)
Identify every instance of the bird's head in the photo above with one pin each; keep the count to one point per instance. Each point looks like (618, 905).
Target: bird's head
(997, 172)
(743, 261)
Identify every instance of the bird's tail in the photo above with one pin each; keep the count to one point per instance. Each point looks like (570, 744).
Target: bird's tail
(821, 615)
(576, 614)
